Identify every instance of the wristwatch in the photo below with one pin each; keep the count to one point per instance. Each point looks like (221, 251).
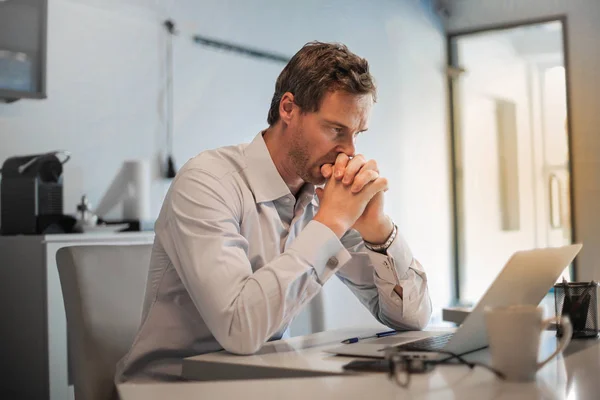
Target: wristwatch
(381, 248)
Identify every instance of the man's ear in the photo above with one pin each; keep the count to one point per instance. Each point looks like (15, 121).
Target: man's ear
(286, 107)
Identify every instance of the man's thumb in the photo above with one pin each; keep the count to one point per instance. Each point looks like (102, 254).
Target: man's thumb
(319, 193)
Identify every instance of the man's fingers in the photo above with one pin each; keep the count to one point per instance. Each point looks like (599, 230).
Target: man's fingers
(363, 178)
(371, 164)
(378, 185)
(340, 165)
(327, 170)
(353, 167)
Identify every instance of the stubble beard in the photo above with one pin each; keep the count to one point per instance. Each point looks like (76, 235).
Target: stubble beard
(299, 155)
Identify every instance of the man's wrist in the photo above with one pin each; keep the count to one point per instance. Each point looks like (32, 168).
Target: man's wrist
(336, 227)
(379, 232)
(383, 246)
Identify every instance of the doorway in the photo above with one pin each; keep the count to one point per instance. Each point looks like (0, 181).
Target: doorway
(511, 161)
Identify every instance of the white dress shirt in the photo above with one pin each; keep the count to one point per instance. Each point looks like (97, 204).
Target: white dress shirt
(236, 256)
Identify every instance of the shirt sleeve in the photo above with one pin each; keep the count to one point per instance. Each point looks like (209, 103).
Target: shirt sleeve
(372, 276)
(242, 308)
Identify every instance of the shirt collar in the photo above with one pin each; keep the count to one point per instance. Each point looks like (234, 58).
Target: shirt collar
(263, 177)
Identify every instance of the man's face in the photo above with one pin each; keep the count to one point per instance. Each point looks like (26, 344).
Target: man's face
(318, 137)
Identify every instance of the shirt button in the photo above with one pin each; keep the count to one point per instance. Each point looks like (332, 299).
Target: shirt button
(332, 262)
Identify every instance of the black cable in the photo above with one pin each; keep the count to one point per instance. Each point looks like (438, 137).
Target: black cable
(170, 169)
(470, 364)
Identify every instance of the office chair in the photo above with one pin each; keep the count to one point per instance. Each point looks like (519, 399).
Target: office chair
(103, 290)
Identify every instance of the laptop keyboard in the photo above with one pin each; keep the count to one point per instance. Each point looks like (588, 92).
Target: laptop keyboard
(432, 343)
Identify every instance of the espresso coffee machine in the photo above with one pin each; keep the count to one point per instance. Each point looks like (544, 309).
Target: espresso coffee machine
(31, 195)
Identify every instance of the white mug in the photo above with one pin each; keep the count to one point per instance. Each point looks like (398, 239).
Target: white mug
(514, 339)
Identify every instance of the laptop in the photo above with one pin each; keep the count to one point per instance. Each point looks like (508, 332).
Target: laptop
(525, 279)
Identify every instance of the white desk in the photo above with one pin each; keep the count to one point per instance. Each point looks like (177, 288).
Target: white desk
(575, 376)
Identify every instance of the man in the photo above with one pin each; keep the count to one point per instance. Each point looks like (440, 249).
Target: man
(242, 242)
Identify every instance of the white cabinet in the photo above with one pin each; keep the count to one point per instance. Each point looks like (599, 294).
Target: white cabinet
(33, 331)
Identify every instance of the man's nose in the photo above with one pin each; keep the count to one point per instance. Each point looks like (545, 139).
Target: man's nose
(348, 148)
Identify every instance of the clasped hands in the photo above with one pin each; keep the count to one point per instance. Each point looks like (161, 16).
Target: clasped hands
(353, 198)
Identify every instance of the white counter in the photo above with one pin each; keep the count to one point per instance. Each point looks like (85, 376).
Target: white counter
(33, 332)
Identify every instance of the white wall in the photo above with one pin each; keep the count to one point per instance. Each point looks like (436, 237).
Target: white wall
(105, 90)
(583, 58)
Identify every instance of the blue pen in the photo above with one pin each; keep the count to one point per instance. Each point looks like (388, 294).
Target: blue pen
(377, 335)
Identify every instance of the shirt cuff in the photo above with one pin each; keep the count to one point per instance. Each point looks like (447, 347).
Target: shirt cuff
(321, 248)
(393, 266)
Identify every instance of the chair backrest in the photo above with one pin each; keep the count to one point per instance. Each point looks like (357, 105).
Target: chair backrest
(103, 290)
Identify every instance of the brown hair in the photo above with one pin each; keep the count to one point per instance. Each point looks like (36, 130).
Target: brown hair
(316, 69)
